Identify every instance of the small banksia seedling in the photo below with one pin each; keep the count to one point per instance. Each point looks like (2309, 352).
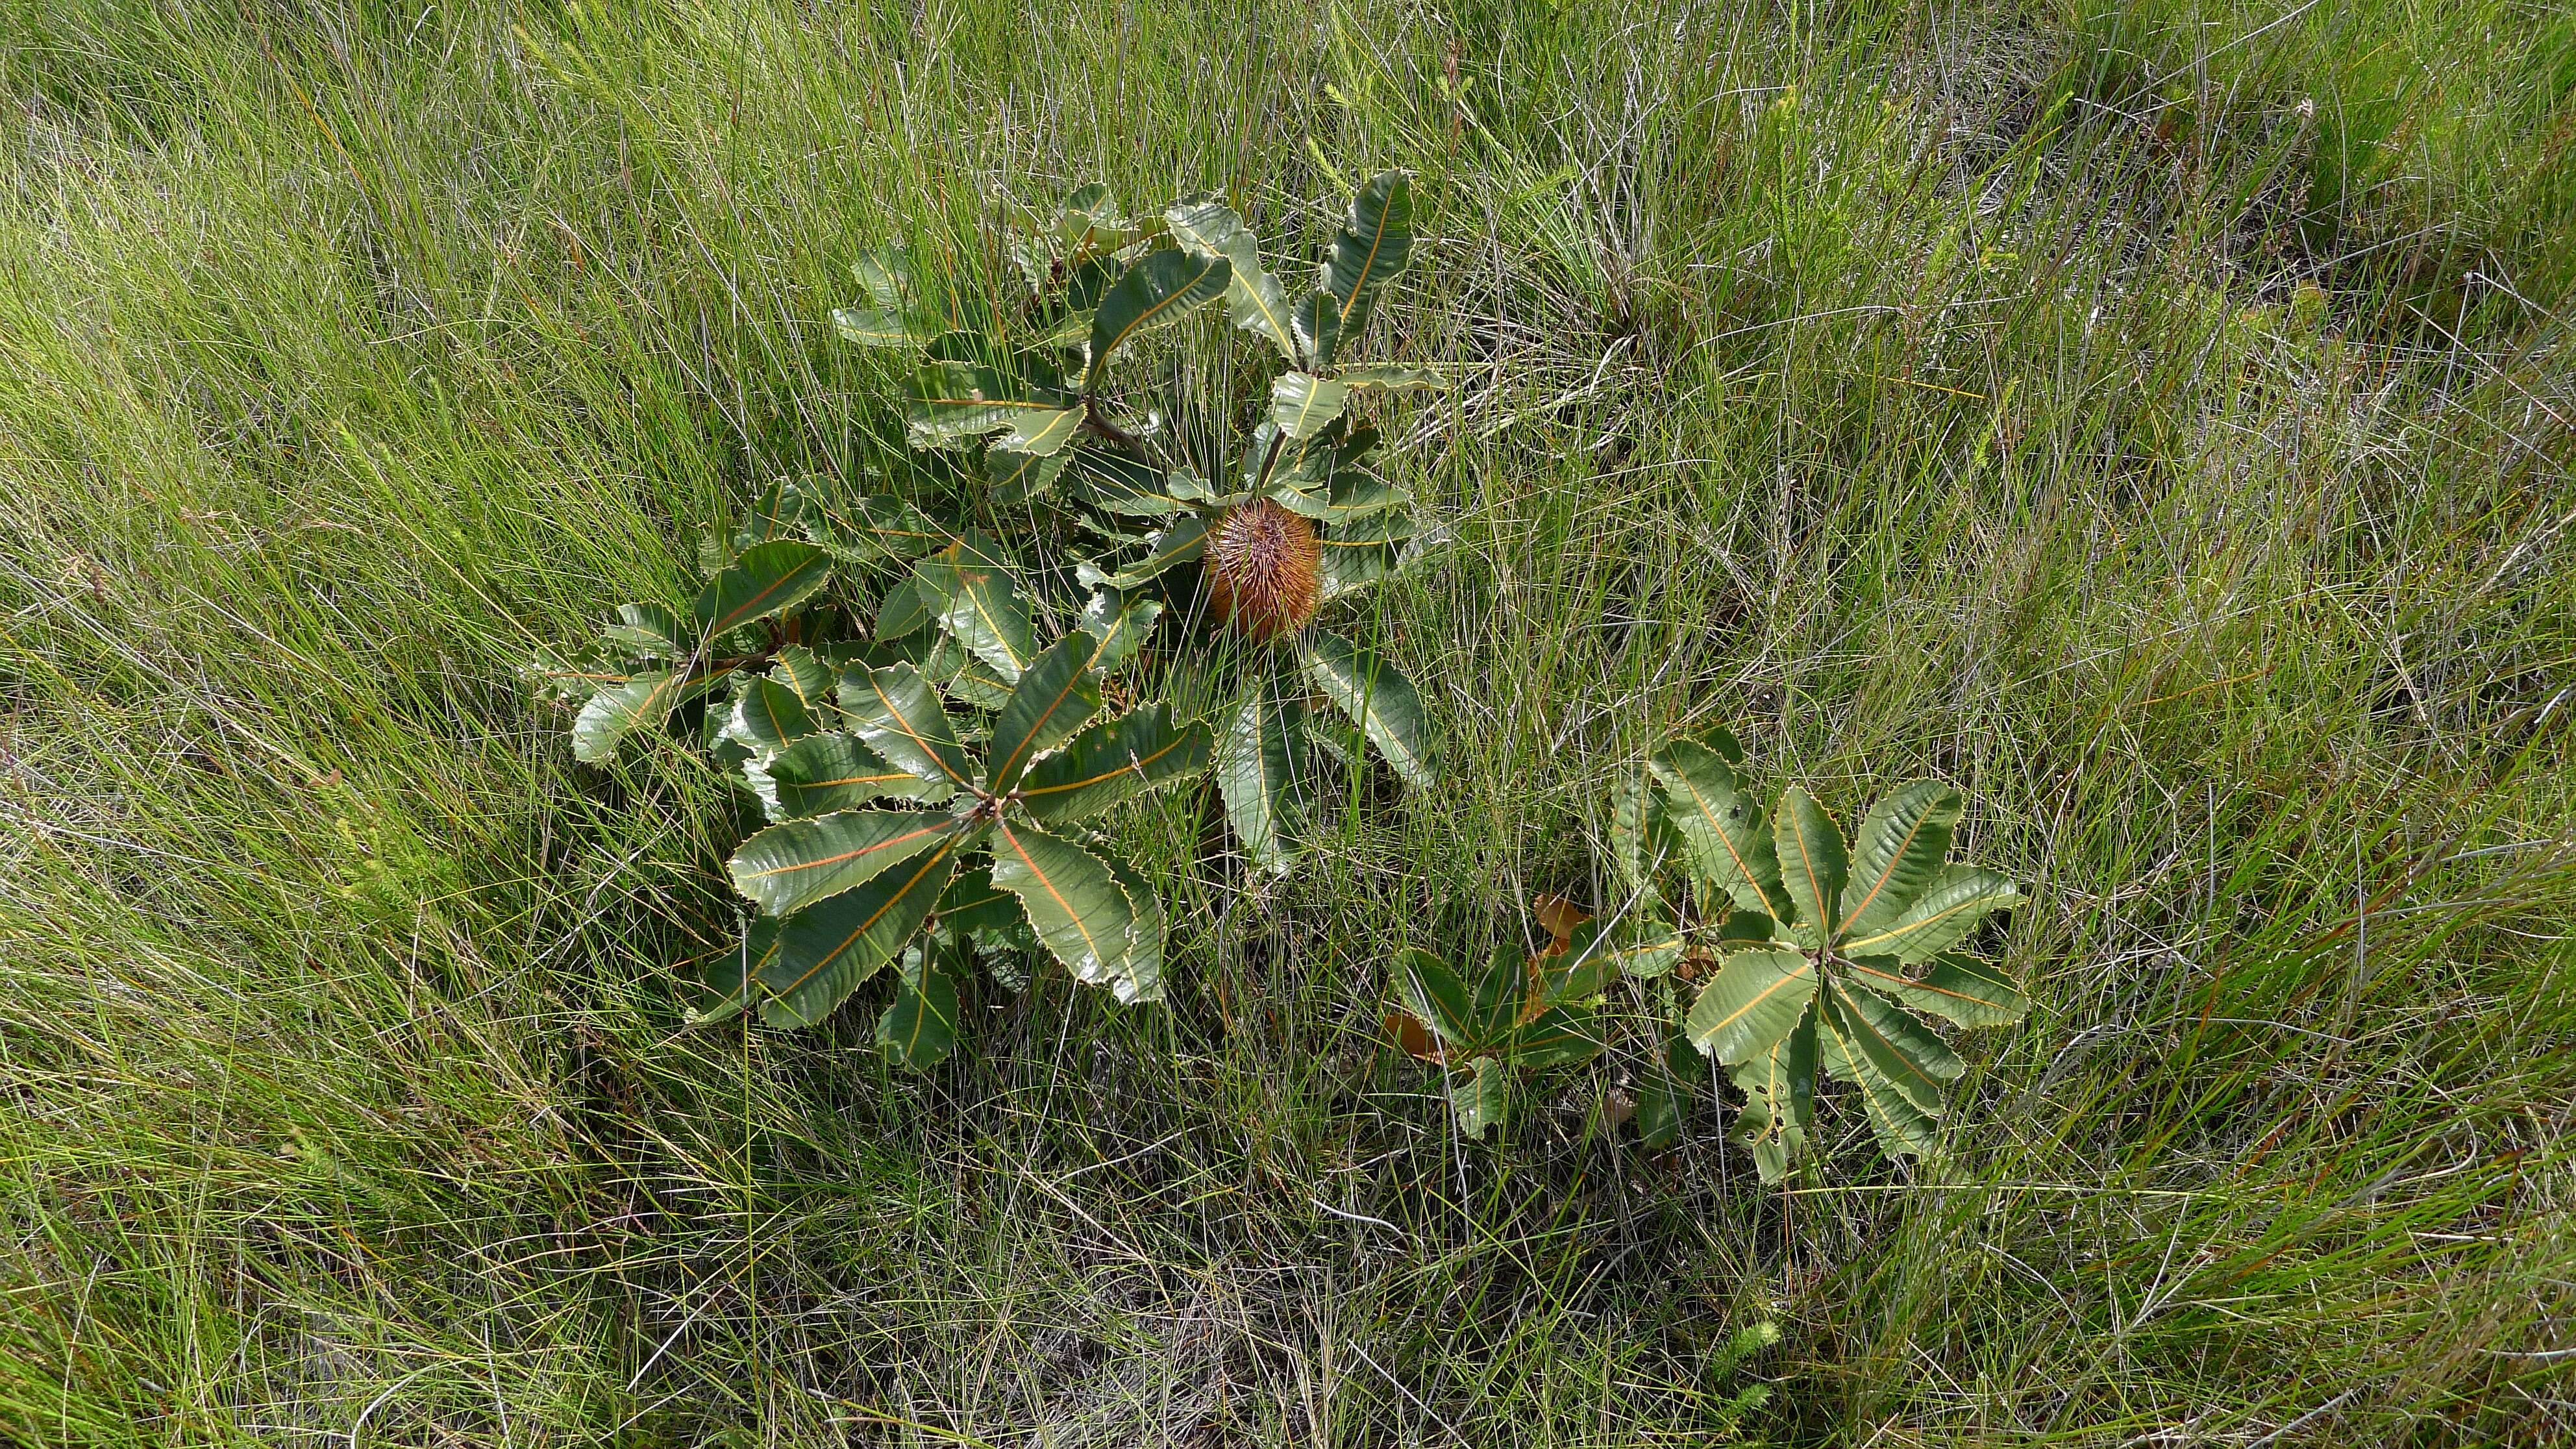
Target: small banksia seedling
(1261, 562)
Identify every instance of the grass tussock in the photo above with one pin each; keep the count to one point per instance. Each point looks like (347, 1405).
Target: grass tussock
(2157, 417)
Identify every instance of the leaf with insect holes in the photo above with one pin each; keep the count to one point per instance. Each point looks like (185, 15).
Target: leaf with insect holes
(919, 1029)
(765, 579)
(795, 863)
(1160, 289)
(1957, 989)
(1080, 912)
(818, 956)
(1780, 1099)
(1379, 699)
(1480, 1093)
(1113, 761)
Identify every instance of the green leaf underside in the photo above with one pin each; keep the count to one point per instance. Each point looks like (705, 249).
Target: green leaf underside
(1372, 247)
(1957, 989)
(610, 715)
(1303, 405)
(1756, 998)
(1057, 696)
(897, 714)
(920, 1028)
(1901, 1123)
(1480, 1094)
(650, 630)
(1384, 378)
(1812, 864)
(1899, 848)
(1263, 775)
(1018, 477)
(1379, 699)
(980, 604)
(1076, 906)
(766, 579)
(1958, 897)
(823, 773)
(1719, 825)
(1042, 433)
(823, 953)
(795, 863)
(1114, 761)
(1158, 290)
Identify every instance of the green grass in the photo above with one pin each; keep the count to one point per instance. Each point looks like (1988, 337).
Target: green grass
(1912, 389)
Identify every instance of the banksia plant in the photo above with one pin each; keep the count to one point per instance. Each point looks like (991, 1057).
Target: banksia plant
(1810, 948)
(1271, 532)
(927, 789)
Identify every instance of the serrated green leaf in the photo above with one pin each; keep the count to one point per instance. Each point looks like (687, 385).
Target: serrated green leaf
(1019, 477)
(976, 599)
(724, 982)
(1373, 246)
(1642, 840)
(974, 906)
(805, 674)
(1812, 863)
(1116, 483)
(950, 404)
(1432, 990)
(919, 1029)
(1561, 1036)
(1263, 774)
(1057, 696)
(902, 613)
(1958, 897)
(824, 773)
(767, 717)
(649, 631)
(821, 954)
(1316, 321)
(1904, 1051)
(1379, 699)
(1043, 434)
(1117, 626)
(1160, 289)
(895, 713)
(618, 709)
(1141, 977)
(1184, 541)
(1665, 1090)
(765, 579)
(1254, 299)
(1903, 1125)
(1497, 993)
(877, 527)
(1756, 998)
(1080, 912)
(1644, 942)
(1303, 405)
(1957, 989)
(1719, 825)
(1480, 1094)
(1114, 761)
(795, 863)
(1900, 847)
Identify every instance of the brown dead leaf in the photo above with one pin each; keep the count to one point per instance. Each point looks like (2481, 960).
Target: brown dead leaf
(1558, 917)
(1412, 1035)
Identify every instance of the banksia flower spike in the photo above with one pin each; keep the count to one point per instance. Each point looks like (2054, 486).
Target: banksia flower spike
(1261, 570)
